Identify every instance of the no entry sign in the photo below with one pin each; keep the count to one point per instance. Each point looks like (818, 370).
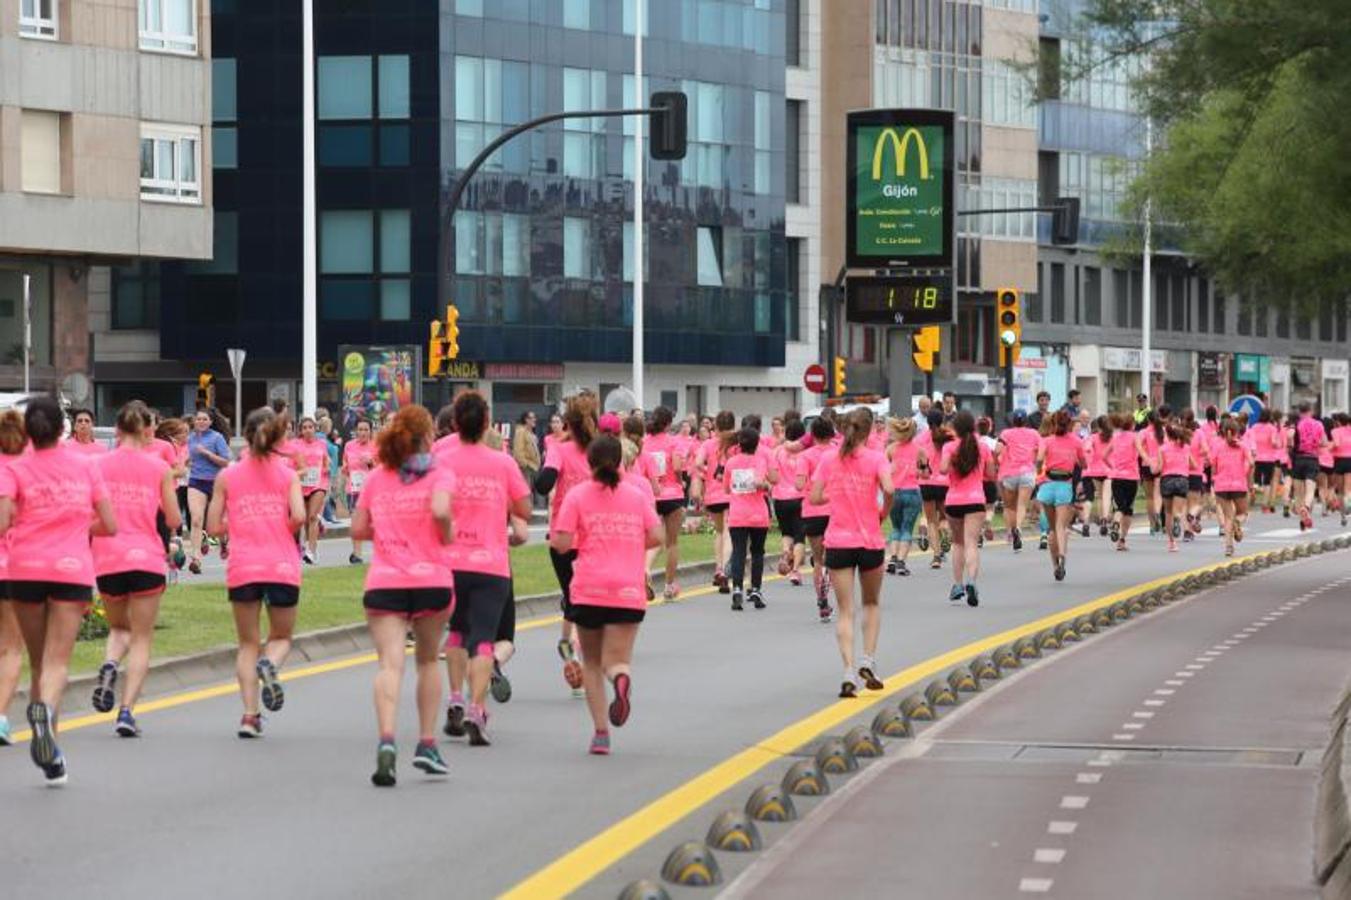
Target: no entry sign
(815, 378)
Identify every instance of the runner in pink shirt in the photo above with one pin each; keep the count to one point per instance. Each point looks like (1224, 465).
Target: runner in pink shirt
(816, 515)
(665, 459)
(82, 440)
(12, 444)
(1231, 466)
(1060, 454)
(405, 512)
(787, 498)
(965, 461)
(1017, 472)
(708, 491)
(852, 477)
(310, 453)
(175, 433)
(1341, 462)
(748, 477)
(1098, 470)
(1196, 474)
(1307, 440)
(257, 504)
(129, 565)
(358, 459)
(47, 501)
(565, 467)
(1151, 438)
(1174, 462)
(1124, 455)
(906, 504)
(933, 488)
(609, 526)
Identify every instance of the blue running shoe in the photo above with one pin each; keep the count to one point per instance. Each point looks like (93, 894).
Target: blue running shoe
(428, 759)
(6, 736)
(273, 694)
(104, 695)
(386, 755)
(55, 771)
(126, 724)
(43, 747)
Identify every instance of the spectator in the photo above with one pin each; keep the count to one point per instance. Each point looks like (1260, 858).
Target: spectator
(949, 407)
(921, 416)
(1073, 406)
(1043, 409)
(1142, 410)
(525, 449)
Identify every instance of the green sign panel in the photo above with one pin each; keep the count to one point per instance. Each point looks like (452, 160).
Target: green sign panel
(900, 198)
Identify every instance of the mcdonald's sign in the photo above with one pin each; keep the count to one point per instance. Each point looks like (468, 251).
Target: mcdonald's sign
(900, 198)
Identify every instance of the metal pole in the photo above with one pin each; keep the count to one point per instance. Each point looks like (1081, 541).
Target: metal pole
(900, 371)
(27, 327)
(1147, 289)
(309, 354)
(1008, 382)
(638, 244)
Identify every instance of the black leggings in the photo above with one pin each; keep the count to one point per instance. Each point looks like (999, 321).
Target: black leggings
(736, 566)
(479, 603)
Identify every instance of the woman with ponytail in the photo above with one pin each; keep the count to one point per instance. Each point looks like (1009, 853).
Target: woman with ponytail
(1231, 466)
(933, 488)
(709, 491)
(608, 526)
(1060, 453)
(1173, 463)
(257, 504)
(965, 462)
(665, 456)
(816, 513)
(1098, 471)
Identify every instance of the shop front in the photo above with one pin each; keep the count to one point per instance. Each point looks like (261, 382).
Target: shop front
(1305, 384)
(1250, 374)
(1121, 371)
(1212, 378)
(518, 388)
(1334, 394)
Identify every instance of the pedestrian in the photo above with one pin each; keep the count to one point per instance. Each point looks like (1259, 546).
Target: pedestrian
(933, 489)
(1231, 463)
(258, 504)
(130, 566)
(82, 437)
(12, 444)
(1341, 462)
(788, 501)
(490, 490)
(51, 503)
(208, 454)
(1035, 418)
(333, 446)
(1073, 406)
(906, 505)
(1098, 471)
(358, 459)
(965, 462)
(1142, 411)
(1059, 454)
(949, 407)
(666, 459)
(1125, 459)
(748, 477)
(852, 476)
(921, 416)
(404, 510)
(607, 526)
(1152, 438)
(525, 448)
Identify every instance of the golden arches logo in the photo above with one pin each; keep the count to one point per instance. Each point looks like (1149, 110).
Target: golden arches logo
(900, 144)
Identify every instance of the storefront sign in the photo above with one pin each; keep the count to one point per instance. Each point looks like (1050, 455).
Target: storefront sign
(523, 372)
(376, 381)
(1336, 369)
(464, 370)
(1253, 369)
(1210, 370)
(1127, 359)
(1030, 363)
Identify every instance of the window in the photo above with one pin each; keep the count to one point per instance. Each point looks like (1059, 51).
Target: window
(1219, 313)
(37, 18)
(346, 242)
(792, 150)
(793, 288)
(1121, 298)
(792, 34)
(577, 14)
(40, 155)
(224, 137)
(358, 89)
(763, 158)
(708, 257)
(628, 23)
(1202, 306)
(577, 248)
(11, 312)
(170, 160)
(359, 251)
(627, 265)
(1092, 296)
(225, 251)
(469, 7)
(1282, 323)
(583, 144)
(344, 87)
(169, 25)
(1057, 293)
(136, 296)
(1244, 319)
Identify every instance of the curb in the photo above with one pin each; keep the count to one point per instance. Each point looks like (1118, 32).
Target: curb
(217, 664)
(694, 863)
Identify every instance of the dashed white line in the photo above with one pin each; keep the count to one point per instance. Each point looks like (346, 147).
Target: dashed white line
(1141, 714)
(1073, 801)
(1101, 763)
(1123, 737)
(1035, 885)
(1166, 692)
(1195, 667)
(1155, 702)
(1133, 726)
(1088, 778)
(1059, 826)
(1049, 855)
(1184, 674)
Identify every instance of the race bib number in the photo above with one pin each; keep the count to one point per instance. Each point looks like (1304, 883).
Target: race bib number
(356, 481)
(659, 463)
(309, 477)
(743, 481)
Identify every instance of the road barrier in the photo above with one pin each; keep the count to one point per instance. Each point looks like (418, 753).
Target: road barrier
(692, 864)
(734, 832)
(862, 743)
(805, 780)
(1332, 824)
(771, 803)
(834, 758)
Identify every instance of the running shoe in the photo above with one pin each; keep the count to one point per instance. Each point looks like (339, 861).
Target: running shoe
(651, 591)
(719, 579)
(1085, 530)
(936, 562)
(224, 551)
(736, 601)
(572, 669)
(756, 599)
(177, 557)
(1043, 543)
(1102, 529)
(825, 614)
(866, 675)
(671, 591)
(427, 759)
(126, 724)
(600, 744)
(785, 564)
(1172, 545)
(980, 540)
(454, 720)
(902, 568)
(923, 540)
(972, 595)
(274, 696)
(796, 578)
(1228, 548)
(104, 696)
(476, 725)
(944, 542)
(55, 771)
(498, 684)
(1238, 532)
(42, 748)
(620, 707)
(1306, 522)
(848, 690)
(1060, 568)
(957, 594)
(725, 587)
(1196, 524)
(386, 755)
(353, 559)
(195, 567)
(891, 565)
(1285, 512)
(206, 546)
(6, 736)
(1187, 536)
(1016, 536)
(989, 532)
(1115, 532)
(1176, 529)
(250, 727)
(308, 558)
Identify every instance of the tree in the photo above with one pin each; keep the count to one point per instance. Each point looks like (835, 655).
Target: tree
(1249, 102)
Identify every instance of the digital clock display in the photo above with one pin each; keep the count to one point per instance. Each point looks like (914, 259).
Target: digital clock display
(905, 300)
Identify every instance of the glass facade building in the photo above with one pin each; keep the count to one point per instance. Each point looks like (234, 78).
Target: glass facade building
(408, 92)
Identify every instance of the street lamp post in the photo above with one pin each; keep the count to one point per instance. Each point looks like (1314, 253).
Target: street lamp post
(639, 270)
(1147, 289)
(309, 352)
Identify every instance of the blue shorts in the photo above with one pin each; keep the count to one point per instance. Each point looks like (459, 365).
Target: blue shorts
(1056, 493)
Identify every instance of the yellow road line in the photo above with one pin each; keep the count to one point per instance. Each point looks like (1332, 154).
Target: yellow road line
(573, 869)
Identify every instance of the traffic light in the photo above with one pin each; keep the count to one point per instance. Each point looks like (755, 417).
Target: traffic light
(1065, 222)
(436, 351)
(924, 345)
(1008, 309)
(206, 386)
(452, 332)
(840, 386)
(669, 124)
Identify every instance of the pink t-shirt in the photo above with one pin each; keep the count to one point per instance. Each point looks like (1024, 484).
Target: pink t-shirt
(311, 463)
(1309, 436)
(569, 461)
(665, 457)
(710, 457)
(1229, 466)
(257, 510)
(133, 480)
(1095, 450)
(1200, 453)
(742, 478)
(852, 483)
(634, 477)
(609, 530)
(1341, 442)
(1019, 456)
(1063, 453)
(1123, 456)
(54, 491)
(408, 549)
(166, 451)
(877, 440)
(788, 465)
(1267, 441)
(446, 442)
(359, 458)
(968, 489)
(486, 484)
(905, 465)
(1176, 458)
(86, 448)
(932, 455)
(811, 463)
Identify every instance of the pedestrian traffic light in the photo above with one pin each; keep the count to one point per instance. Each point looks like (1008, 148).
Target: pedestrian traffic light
(452, 332)
(206, 387)
(924, 345)
(840, 386)
(1009, 314)
(669, 124)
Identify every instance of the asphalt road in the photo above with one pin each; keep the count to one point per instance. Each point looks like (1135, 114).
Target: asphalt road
(189, 810)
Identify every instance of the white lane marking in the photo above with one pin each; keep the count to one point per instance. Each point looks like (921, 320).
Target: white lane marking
(1123, 737)
(1133, 726)
(1060, 826)
(1155, 702)
(1073, 801)
(1174, 683)
(1250, 630)
(1195, 667)
(1184, 674)
(1088, 778)
(1049, 855)
(1035, 885)
(1142, 714)
(1103, 763)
